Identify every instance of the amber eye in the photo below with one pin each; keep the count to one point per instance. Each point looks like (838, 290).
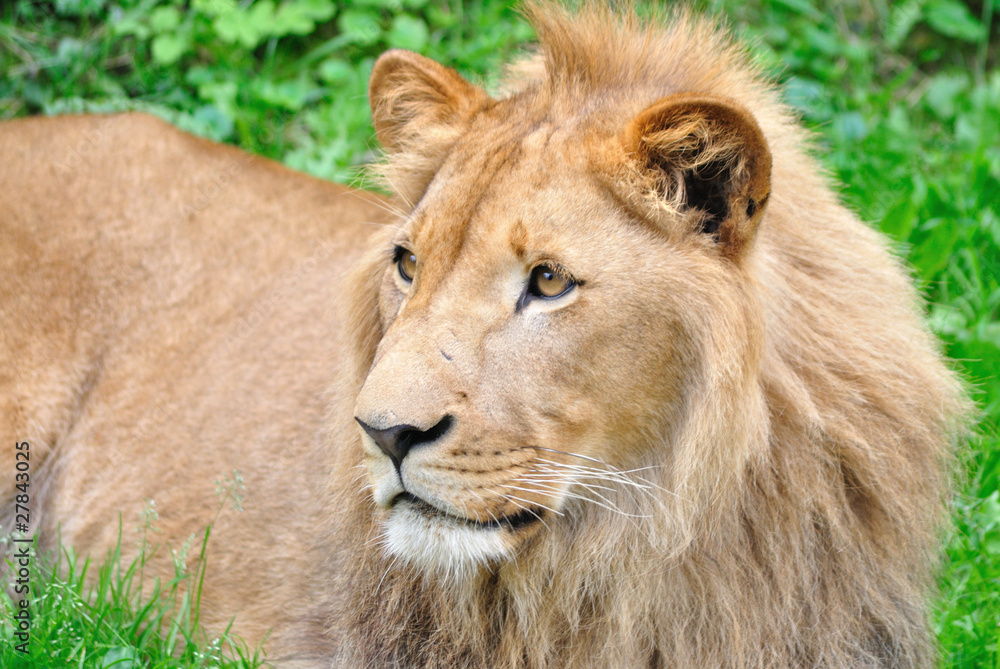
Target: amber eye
(548, 283)
(406, 263)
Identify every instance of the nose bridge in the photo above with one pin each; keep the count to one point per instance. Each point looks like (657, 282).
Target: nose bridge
(403, 387)
(448, 321)
(454, 341)
(426, 371)
(430, 355)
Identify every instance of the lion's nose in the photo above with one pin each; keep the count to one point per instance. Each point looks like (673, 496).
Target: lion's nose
(396, 441)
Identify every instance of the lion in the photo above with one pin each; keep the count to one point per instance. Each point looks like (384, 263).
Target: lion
(611, 380)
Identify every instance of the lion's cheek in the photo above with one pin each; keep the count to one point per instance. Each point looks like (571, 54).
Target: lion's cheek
(600, 402)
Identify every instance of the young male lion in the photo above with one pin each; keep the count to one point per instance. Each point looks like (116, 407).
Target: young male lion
(613, 382)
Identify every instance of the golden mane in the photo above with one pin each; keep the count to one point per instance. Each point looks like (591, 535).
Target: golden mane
(618, 57)
(801, 523)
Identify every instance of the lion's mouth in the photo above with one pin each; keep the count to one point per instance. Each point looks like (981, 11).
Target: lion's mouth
(512, 522)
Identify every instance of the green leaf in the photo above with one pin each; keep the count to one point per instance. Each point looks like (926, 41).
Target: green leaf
(221, 94)
(899, 221)
(290, 95)
(300, 18)
(218, 125)
(247, 27)
(823, 40)
(213, 8)
(902, 17)
(408, 32)
(130, 25)
(336, 71)
(947, 320)
(943, 92)
(388, 5)
(168, 48)
(932, 254)
(804, 7)
(231, 28)
(120, 658)
(201, 74)
(79, 7)
(319, 10)
(850, 126)
(164, 19)
(70, 49)
(359, 26)
(953, 18)
(290, 19)
(990, 509)
(803, 93)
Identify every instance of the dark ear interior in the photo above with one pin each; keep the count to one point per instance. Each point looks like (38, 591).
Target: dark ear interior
(706, 188)
(705, 153)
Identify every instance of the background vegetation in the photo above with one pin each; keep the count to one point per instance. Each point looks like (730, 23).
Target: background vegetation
(904, 97)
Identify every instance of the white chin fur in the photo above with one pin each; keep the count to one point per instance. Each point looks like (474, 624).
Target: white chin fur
(436, 544)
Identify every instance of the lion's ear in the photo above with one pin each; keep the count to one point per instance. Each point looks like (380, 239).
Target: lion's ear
(705, 153)
(416, 100)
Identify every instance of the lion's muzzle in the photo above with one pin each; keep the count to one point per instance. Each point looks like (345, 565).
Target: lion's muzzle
(397, 440)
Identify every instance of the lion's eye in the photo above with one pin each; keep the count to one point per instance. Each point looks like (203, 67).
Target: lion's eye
(406, 263)
(548, 283)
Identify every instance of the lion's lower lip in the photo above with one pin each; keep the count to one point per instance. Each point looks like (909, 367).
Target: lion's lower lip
(514, 521)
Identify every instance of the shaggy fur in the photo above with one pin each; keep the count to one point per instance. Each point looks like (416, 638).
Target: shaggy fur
(726, 446)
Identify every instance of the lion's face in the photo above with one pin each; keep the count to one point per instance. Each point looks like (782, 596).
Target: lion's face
(539, 338)
(510, 353)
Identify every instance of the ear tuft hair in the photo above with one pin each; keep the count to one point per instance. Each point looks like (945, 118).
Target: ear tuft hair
(419, 108)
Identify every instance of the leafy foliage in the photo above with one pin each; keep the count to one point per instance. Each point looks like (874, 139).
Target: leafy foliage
(285, 79)
(903, 96)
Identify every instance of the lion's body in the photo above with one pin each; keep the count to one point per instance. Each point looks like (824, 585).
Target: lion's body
(772, 419)
(154, 341)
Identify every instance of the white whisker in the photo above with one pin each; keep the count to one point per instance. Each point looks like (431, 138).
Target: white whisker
(512, 498)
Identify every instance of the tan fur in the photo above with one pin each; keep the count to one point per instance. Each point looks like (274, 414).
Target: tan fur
(735, 429)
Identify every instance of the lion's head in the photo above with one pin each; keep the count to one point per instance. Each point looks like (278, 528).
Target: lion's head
(563, 295)
(597, 356)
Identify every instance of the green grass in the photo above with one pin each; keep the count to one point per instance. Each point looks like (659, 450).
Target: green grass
(122, 618)
(904, 98)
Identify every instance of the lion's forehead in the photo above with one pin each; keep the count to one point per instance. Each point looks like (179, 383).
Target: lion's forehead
(497, 209)
(504, 161)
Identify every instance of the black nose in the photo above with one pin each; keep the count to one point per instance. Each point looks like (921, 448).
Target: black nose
(396, 441)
